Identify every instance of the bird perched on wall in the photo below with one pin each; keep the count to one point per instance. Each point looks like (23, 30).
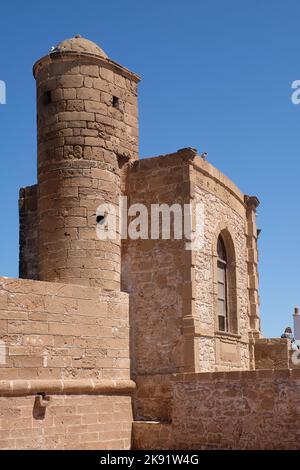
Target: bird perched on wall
(203, 155)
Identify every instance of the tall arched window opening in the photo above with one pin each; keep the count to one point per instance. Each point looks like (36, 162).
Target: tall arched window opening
(223, 307)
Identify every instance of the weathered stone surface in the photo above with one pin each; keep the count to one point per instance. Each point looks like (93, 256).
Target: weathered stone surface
(74, 99)
(69, 337)
(183, 322)
(40, 324)
(69, 422)
(271, 353)
(248, 410)
(28, 267)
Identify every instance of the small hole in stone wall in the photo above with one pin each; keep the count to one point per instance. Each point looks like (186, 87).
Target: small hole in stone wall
(41, 402)
(47, 97)
(116, 102)
(100, 218)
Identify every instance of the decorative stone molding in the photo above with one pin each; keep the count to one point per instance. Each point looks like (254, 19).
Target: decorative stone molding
(93, 58)
(219, 182)
(252, 203)
(188, 153)
(66, 387)
(226, 231)
(237, 375)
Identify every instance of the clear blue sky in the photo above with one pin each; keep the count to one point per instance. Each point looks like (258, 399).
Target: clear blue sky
(216, 76)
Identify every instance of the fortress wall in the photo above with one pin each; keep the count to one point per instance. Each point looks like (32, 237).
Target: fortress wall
(228, 410)
(154, 397)
(69, 422)
(152, 435)
(173, 290)
(72, 344)
(271, 353)
(28, 266)
(237, 410)
(63, 331)
(224, 210)
(156, 273)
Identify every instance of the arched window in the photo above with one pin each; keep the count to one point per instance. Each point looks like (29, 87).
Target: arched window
(222, 266)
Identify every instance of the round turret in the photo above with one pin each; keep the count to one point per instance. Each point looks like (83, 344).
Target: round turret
(87, 124)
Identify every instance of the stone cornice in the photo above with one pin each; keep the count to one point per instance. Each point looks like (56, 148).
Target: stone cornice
(93, 59)
(266, 374)
(66, 387)
(216, 175)
(252, 202)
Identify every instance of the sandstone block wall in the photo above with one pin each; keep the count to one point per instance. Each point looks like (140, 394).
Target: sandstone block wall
(152, 435)
(153, 398)
(28, 265)
(63, 331)
(224, 212)
(242, 410)
(250, 410)
(156, 273)
(271, 353)
(69, 422)
(174, 290)
(71, 343)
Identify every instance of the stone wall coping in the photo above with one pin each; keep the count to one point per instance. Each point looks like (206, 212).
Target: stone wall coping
(244, 375)
(212, 172)
(271, 340)
(59, 289)
(93, 59)
(148, 422)
(189, 155)
(258, 374)
(72, 387)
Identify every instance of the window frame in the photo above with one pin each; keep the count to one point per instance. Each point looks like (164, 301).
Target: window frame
(223, 268)
(231, 290)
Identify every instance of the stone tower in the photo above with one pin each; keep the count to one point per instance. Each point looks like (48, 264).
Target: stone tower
(176, 359)
(87, 128)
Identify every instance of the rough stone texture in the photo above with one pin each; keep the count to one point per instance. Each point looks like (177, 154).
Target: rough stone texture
(63, 331)
(152, 435)
(252, 261)
(229, 410)
(153, 398)
(68, 338)
(173, 290)
(87, 123)
(28, 268)
(224, 213)
(72, 338)
(70, 333)
(271, 353)
(156, 273)
(69, 422)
